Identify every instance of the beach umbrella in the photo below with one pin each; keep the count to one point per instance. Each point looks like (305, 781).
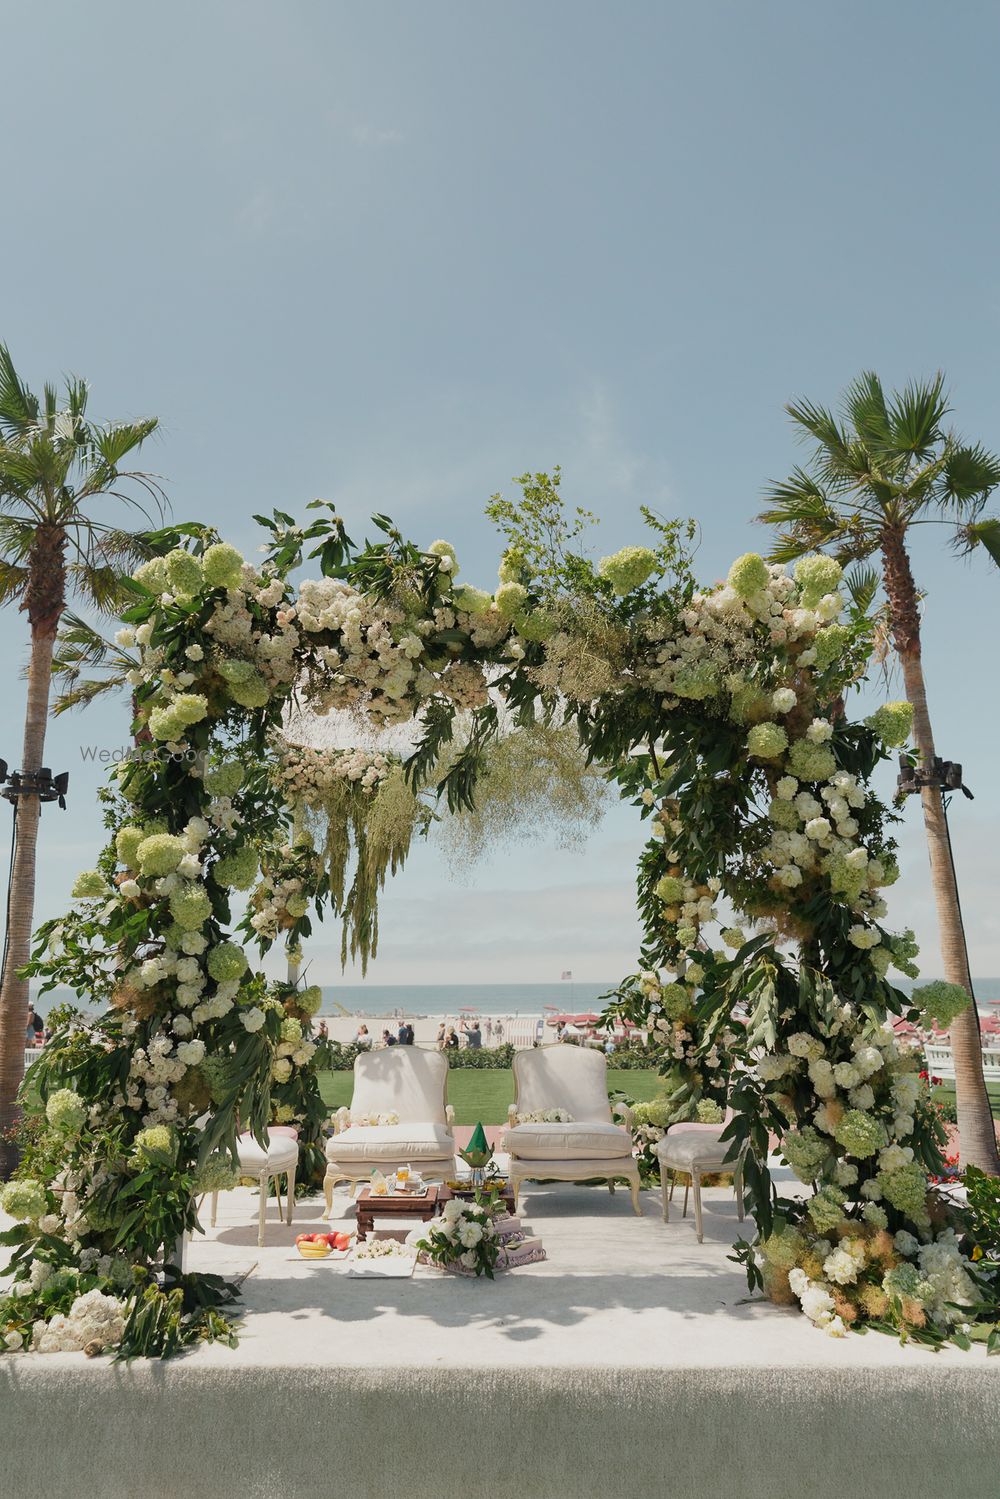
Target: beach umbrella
(588, 1019)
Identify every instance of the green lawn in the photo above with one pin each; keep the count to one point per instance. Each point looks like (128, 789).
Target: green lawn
(946, 1093)
(480, 1095)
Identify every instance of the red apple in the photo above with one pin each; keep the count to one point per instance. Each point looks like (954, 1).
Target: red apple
(343, 1240)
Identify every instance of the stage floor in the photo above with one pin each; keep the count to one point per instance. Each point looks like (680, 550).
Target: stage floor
(630, 1362)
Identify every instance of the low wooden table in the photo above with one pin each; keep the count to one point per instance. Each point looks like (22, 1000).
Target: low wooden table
(394, 1205)
(506, 1196)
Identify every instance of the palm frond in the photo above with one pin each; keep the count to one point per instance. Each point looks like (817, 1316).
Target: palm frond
(969, 473)
(18, 407)
(981, 533)
(820, 424)
(862, 585)
(865, 407)
(915, 416)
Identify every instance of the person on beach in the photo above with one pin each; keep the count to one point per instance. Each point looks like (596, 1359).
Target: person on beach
(406, 1034)
(34, 1030)
(322, 1031)
(388, 1039)
(451, 1040)
(363, 1038)
(498, 1032)
(473, 1035)
(489, 1031)
(439, 1038)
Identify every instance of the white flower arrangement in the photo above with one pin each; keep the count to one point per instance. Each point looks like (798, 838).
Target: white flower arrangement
(545, 1116)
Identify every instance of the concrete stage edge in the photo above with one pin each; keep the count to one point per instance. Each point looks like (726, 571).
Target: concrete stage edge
(629, 1364)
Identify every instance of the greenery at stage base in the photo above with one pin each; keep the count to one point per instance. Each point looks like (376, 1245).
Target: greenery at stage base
(719, 713)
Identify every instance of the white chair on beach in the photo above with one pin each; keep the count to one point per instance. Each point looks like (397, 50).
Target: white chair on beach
(696, 1150)
(411, 1084)
(572, 1078)
(281, 1158)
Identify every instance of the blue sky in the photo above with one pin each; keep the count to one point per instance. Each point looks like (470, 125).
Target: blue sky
(393, 255)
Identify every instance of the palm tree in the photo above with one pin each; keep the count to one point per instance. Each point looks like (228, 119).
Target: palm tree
(886, 465)
(55, 468)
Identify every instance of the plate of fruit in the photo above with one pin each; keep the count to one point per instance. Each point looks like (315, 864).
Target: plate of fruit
(323, 1246)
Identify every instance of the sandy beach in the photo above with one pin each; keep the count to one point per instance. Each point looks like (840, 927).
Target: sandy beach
(519, 1030)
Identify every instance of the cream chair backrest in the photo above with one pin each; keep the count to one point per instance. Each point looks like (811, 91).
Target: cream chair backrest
(558, 1076)
(401, 1080)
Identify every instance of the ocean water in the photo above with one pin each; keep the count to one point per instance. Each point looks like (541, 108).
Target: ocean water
(448, 999)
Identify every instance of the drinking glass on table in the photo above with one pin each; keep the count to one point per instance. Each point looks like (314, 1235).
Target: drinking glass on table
(402, 1177)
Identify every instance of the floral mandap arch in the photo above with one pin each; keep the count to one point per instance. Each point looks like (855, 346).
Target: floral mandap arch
(719, 713)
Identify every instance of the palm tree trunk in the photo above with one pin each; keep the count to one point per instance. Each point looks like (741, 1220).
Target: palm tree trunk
(14, 991)
(977, 1133)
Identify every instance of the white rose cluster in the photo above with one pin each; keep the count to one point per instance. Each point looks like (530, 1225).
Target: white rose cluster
(95, 1322)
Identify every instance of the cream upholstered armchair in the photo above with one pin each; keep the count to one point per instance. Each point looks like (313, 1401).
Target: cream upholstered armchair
(410, 1085)
(573, 1079)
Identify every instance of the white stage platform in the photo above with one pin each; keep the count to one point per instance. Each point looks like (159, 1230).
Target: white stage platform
(629, 1364)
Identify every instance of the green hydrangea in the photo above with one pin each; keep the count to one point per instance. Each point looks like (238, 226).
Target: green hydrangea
(904, 948)
(748, 575)
(783, 814)
(224, 780)
(66, 1111)
(291, 1030)
(783, 1248)
(709, 1112)
(845, 878)
(676, 1001)
(905, 1189)
(941, 1002)
(222, 566)
(89, 884)
(892, 723)
(670, 889)
(511, 599)
(169, 721)
(697, 680)
(471, 600)
(766, 741)
(904, 1281)
(153, 575)
(155, 1146)
(184, 572)
(234, 669)
(806, 1152)
(127, 841)
(160, 854)
(217, 1174)
(226, 962)
(657, 1112)
(512, 565)
(252, 693)
(445, 549)
(309, 999)
(238, 870)
(190, 907)
(830, 644)
(165, 725)
(811, 762)
(826, 1209)
(23, 1199)
(816, 576)
(538, 624)
(628, 568)
(747, 701)
(860, 1134)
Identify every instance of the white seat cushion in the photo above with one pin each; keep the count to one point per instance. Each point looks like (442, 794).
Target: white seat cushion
(556, 1142)
(392, 1142)
(281, 1155)
(685, 1148)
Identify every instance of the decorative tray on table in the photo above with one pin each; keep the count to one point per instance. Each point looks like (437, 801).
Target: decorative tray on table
(381, 1259)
